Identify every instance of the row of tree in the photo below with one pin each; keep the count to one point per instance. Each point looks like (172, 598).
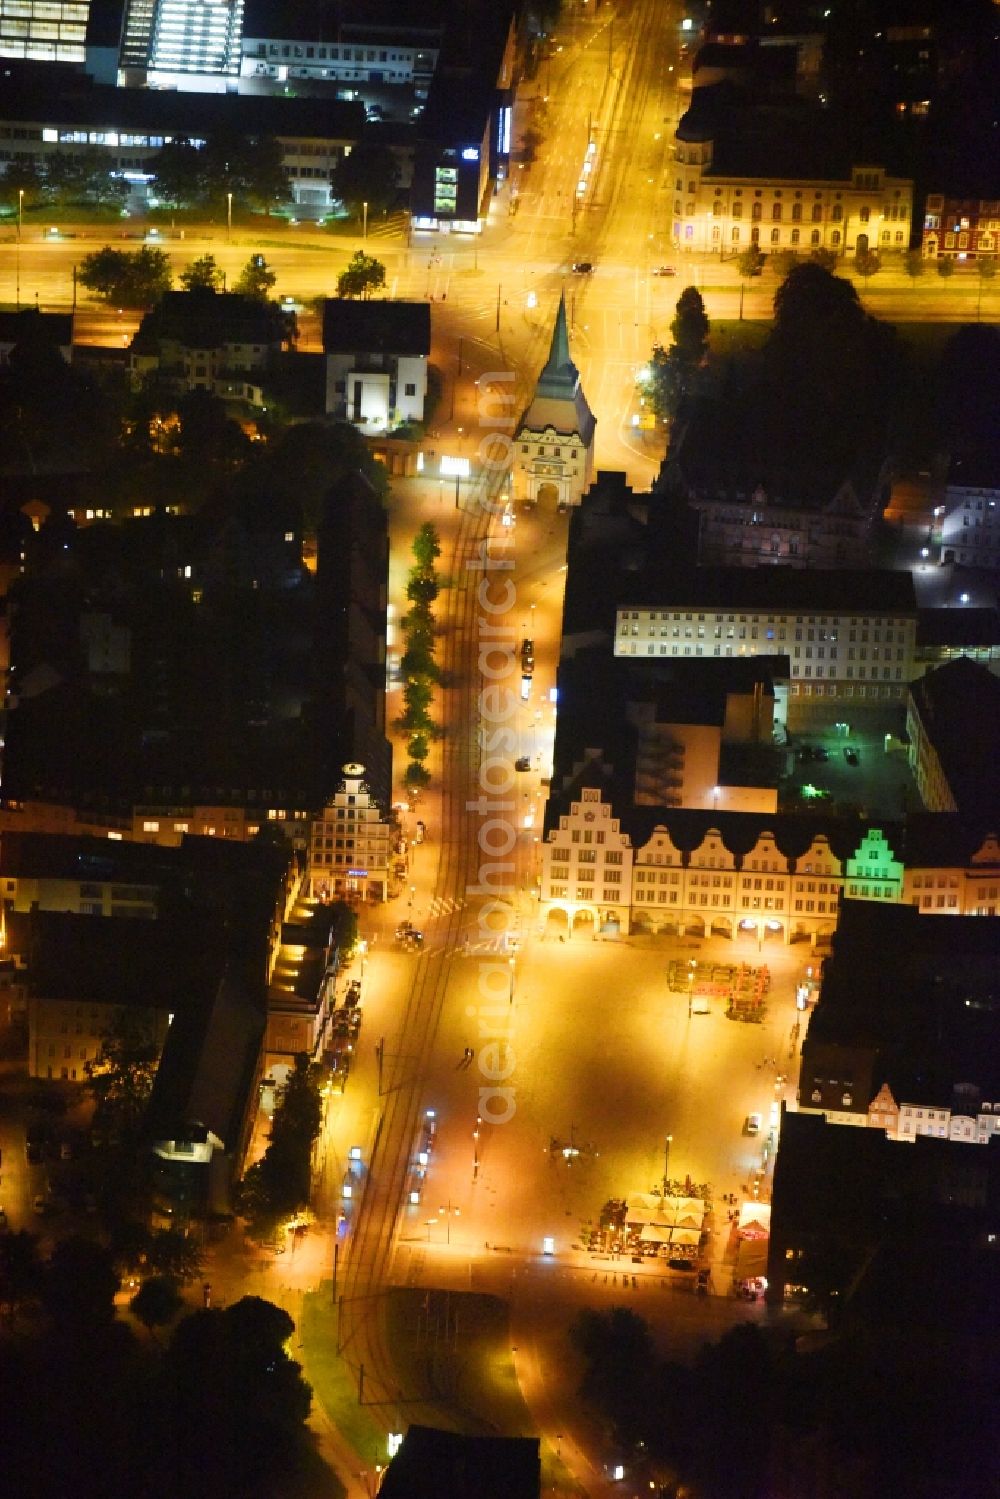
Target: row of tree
(280, 1183)
(421, 672)
(139, 278)
(866, 263)
(250, 168)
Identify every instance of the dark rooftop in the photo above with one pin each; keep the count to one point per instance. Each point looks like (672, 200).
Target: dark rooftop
(205, 319)
(55, 328)
(449, 1466)
(118, 960)
(958, 627)
(959, 708)
(924, 991)
(54, 100)
(786, 589)
(379, 327)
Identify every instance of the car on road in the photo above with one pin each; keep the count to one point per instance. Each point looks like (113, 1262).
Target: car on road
(665, 270)
(408, 936)
(583, 267)
(752, 1125)
(851, 756)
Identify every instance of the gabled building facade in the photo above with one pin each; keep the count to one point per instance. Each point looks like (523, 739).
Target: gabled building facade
(960, 228)
(351, 843)
(766, 878)
(554, 442)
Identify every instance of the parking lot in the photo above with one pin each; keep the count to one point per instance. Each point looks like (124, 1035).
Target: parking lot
(859, 766)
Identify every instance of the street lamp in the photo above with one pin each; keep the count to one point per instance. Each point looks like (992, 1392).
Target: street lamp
(364, 223)
(666, 1164)
(447, 1213)
(17, 251)
(229, 216)
(510, 963)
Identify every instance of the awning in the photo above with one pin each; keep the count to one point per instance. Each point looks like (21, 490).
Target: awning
(690, 1220)
(755, 1220)
(655, 1233)
(685, 1236)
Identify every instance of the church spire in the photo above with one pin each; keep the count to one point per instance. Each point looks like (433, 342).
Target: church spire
(560, 377)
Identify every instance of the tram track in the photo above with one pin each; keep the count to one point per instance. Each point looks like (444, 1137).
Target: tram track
(373, 1238)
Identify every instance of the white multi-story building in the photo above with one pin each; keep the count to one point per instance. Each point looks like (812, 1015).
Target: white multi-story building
(182, 44)
(351, 843)
(722, 202)
(366, 57)
(376, 361)
(970, 524)
(860, 651)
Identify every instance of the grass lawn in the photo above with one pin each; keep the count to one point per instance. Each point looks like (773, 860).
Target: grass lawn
(334, 1382)
(452, 1350)
(730, 336)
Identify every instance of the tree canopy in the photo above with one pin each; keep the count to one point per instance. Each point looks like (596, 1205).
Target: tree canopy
(250, 167)
(121, 1077)
(828, 371)
(368, 174)
(280, 1182)
(256, 279)
(126, 278)
(205, 273)
(362, 275)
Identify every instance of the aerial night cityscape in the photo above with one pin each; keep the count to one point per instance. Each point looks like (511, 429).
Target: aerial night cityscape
(499, 791)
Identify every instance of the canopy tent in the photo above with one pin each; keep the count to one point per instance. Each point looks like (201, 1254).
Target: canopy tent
(655, 1233)
(685, 1236)
(688, 1205)
(755, 1220)
(751, 1260)
(690, 1220)
(645, 1207)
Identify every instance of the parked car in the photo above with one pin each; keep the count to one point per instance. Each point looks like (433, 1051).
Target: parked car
(583, 267)
(851, 756)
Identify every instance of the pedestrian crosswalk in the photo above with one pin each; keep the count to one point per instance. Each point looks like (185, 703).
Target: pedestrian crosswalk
(443, 905)
(495, 945)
